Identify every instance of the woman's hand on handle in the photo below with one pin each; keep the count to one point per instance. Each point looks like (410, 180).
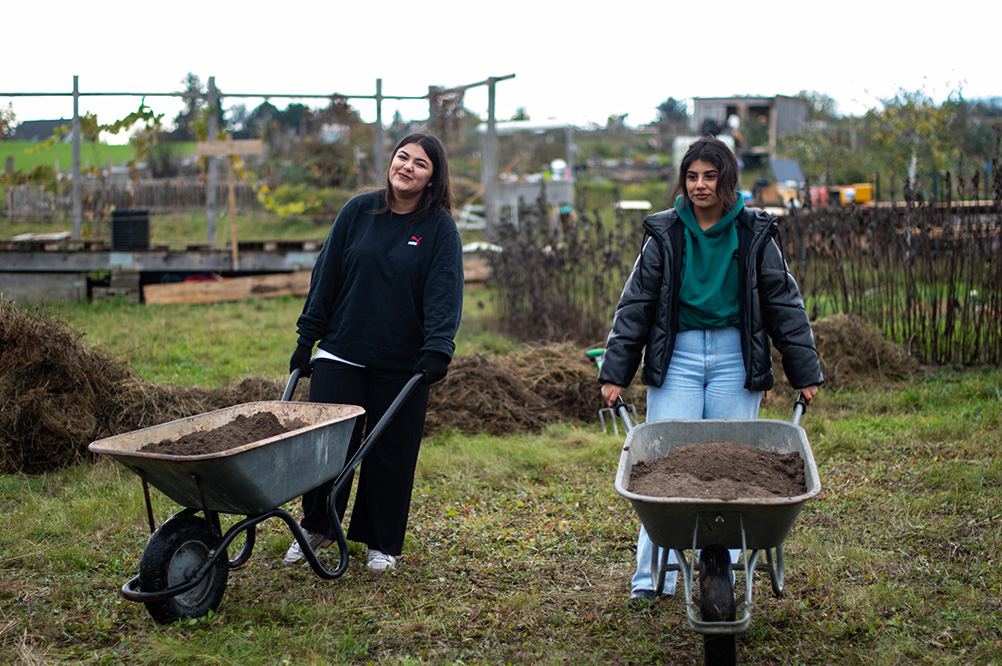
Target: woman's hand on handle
(809, 392)
(610, 392)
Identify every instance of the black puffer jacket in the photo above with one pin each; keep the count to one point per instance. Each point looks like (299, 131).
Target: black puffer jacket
(771, 308)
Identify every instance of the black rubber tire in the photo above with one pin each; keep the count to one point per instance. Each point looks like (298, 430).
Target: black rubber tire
(175, 551)
(716, 592)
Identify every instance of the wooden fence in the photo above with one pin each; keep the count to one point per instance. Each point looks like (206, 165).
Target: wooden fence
(100, 196)
(929, 276)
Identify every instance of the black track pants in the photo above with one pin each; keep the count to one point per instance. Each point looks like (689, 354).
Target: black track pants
(386, 475)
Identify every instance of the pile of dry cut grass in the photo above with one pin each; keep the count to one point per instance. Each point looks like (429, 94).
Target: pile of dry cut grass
(854, 352)
(518, 392)
(58, 394)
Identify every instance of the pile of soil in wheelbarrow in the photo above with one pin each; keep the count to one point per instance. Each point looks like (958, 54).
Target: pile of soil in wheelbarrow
(241, 430)
(720, 470)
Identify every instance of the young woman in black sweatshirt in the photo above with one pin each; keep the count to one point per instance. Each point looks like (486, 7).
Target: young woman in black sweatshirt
(385, 303)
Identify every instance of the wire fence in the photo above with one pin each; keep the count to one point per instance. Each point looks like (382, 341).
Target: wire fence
(160, 196)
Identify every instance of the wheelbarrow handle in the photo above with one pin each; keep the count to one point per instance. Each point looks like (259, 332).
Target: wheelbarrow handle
(290, 387)
(799, 407)
(624, 413)
(377, 430)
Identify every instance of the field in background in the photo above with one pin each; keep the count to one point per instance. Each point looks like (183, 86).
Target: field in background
(92, 154)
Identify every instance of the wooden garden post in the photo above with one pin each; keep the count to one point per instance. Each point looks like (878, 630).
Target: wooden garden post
(230, 149)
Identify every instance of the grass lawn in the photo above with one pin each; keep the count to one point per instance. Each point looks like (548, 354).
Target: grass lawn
(519, 550)
(91, 154)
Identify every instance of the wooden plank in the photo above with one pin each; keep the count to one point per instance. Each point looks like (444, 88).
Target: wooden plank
(232, 289)
(43, 287)
(238, 147)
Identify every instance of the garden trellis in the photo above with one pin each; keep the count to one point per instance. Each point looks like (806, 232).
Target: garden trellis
(927, 275)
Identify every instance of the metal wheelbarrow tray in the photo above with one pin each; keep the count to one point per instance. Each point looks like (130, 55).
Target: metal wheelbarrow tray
(248, 479)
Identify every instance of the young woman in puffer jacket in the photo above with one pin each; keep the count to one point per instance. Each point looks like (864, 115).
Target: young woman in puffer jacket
(708, 294)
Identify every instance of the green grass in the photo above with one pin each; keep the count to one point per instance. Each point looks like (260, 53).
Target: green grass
(91, 154)
(519, 550)
(213, 344)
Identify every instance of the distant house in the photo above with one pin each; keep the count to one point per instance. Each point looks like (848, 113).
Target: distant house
(780, 115)
(38, 130)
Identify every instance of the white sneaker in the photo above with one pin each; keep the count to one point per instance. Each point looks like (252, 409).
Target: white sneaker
(316, 541)
(380, 562)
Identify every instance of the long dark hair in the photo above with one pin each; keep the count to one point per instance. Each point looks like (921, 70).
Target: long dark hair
(438, 194)
(712, 150)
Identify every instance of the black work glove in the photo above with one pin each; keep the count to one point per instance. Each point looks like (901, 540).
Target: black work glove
(301, 359)
(433, 365)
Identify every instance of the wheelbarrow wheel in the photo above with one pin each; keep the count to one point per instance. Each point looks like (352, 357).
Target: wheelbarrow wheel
(173, 554)
(716, 591)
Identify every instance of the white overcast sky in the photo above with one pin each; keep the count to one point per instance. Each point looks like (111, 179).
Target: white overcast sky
(577, 62)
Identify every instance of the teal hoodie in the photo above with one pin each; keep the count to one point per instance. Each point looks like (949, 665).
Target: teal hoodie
(708, 296)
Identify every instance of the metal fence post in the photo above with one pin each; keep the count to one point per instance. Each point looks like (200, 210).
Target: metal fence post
(377, 148)
(210, 187)
(490, 166)
(77, 206)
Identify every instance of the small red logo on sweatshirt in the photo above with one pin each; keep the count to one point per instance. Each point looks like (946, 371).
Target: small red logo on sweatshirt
(415, 241)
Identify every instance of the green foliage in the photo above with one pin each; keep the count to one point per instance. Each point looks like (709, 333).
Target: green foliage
(191, 123)
(820, 107)
(910, 136)
(292, 200)
(828, 157)
(673, 111)
(91, 129)
(911, 127)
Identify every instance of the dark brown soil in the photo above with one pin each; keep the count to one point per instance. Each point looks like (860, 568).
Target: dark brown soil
(720, 470)
(241, 430)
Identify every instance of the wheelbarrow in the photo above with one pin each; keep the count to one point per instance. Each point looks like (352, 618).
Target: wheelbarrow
(711, 527)
(184, 567)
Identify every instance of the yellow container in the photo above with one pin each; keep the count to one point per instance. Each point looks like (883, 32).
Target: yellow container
(864, 192)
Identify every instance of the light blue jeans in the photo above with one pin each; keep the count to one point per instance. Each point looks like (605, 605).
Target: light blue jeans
(705, 380)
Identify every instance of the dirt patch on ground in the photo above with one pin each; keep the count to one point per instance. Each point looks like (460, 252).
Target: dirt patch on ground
(241, 430)
(720, 470)
(57, 394)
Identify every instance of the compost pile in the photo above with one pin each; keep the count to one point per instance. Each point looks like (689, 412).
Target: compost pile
(854, 352)
(720, 470)
(57, 394)
(523, 391)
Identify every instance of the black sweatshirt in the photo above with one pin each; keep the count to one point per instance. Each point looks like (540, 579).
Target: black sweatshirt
(384, 291)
